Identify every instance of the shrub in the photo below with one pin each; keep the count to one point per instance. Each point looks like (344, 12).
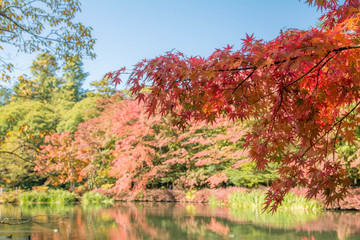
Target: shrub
(9, 197)
(107, 186)
(40, 188)
(248, 176)
(190, 195)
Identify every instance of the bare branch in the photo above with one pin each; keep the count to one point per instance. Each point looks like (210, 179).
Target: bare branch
(19, 221)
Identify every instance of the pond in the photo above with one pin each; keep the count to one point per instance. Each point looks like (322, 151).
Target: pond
(173, 221)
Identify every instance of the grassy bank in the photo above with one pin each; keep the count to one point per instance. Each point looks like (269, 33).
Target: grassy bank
(48, 197)
(53, 197)
(96, 198)
(234, 198)
(255, 201)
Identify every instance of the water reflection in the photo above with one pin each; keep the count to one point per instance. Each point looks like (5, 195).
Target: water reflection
(174, 221)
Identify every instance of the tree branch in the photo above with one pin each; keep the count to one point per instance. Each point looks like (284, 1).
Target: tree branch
(331, 128)
(299, 78)
(18, 221)
(291, 59)
(244, 80)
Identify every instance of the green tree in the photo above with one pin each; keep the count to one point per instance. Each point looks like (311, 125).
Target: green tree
(22, 127)
(71, 92)
(17, 160)
(104, 88)
(37, 115)
(42, 25)
(73, 77)
(80, 112)
(45, 83)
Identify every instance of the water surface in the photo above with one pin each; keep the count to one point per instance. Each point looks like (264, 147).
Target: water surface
(173, 221)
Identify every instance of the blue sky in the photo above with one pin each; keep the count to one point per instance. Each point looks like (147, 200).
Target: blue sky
(128, 31)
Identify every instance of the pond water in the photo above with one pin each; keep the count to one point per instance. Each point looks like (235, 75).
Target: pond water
(173, 221)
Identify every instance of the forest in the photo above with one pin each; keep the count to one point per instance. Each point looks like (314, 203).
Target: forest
(55, 133)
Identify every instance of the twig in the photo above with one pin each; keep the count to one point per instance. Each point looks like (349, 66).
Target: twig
(244, 80)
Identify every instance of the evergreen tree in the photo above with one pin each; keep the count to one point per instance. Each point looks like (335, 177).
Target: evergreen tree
(73, 76)
(45, 83)
(103, 88)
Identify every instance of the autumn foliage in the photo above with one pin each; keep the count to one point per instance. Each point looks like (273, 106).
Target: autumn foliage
(61, 159)
(139, 152)
(300, 91)
(75, 157)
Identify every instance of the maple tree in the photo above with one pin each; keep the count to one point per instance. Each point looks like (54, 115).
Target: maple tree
(59, 161)
(200, 155)
(95, 141)
(83, 155)
(300, 91)
(140, 153)
(150, 153)
(133, 163)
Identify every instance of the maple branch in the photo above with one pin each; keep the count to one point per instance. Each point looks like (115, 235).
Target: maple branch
(290, 59)
(318, 73)
(172, 84)
(295, 81)
(254, 68)
(332, 127)
(236, 88)
(334, 145)
(276, 113)
(327, 144)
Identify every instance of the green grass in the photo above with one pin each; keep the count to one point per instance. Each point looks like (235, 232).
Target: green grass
(279, 219)
(51, 197)
(96, 198)
(255, 201)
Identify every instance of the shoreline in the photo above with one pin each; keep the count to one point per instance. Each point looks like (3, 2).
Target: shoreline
(217, 196)
(350, 203)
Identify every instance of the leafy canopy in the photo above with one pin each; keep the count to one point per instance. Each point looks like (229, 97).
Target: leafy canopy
(38, 25)
(301, 91)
